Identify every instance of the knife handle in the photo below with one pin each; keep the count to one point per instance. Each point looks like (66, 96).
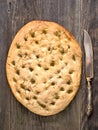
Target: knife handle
(89, 98)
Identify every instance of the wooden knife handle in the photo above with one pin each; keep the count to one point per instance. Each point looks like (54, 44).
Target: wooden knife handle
(89, 98)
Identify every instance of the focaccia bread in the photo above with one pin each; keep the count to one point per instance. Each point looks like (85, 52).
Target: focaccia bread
(44, 67)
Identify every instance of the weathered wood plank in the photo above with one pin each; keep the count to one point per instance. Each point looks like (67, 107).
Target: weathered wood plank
(62, 12)
(90, 23)
(4, 90)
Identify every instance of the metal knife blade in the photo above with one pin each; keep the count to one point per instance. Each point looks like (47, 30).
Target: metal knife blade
(89, 54)
(89, 69)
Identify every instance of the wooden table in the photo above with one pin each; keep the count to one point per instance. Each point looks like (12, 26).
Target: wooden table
(75, 15)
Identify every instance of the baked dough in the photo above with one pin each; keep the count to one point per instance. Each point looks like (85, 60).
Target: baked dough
(44, 67)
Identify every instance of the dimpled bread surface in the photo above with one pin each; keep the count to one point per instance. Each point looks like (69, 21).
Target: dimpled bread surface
(44, 67)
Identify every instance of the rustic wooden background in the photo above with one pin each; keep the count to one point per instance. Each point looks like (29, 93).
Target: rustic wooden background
(75, 15)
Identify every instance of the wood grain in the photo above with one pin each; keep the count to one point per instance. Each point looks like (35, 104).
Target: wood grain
(4, 90)
(73, 15)
(44, 10)
(90, 23)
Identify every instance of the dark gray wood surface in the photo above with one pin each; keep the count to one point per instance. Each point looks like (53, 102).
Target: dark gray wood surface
(75, 15)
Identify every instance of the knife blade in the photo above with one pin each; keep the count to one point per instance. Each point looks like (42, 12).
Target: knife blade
(89, 69)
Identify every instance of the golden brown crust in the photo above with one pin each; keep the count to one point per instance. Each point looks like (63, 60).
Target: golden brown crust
(44, 67)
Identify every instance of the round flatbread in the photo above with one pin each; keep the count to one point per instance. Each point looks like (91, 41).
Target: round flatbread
(44, 67)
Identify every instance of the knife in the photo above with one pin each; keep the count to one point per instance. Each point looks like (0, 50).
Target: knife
(89, 70)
